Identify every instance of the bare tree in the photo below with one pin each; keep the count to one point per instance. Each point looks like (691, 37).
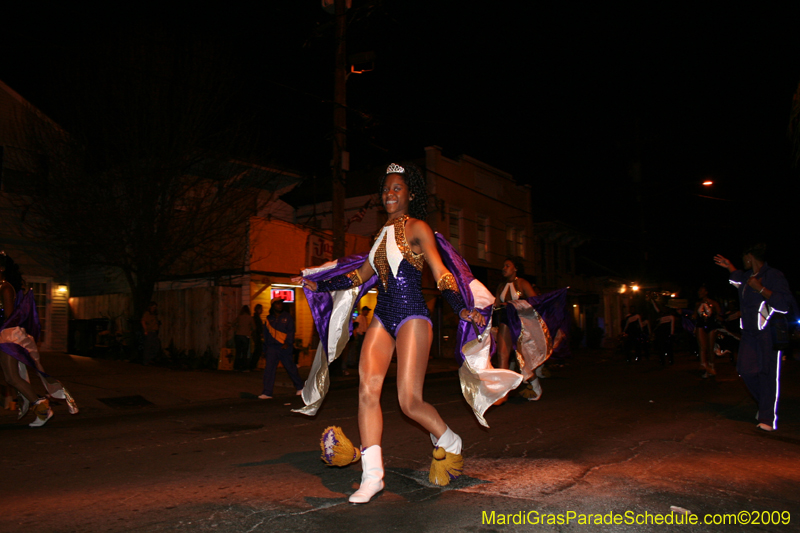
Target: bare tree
(154, 172)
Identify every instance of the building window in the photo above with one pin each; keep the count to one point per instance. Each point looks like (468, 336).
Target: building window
(556, 257)
(521, 243)
(455, 228)
(40, 297)
(483, 228)
(510, 241)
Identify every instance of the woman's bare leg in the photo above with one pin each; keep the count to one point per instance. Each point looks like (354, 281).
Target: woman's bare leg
(11, 373)
(376, 355)
(503, 346)
(413, 348)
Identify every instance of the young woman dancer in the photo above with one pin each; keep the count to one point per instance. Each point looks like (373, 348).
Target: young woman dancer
(402, 323)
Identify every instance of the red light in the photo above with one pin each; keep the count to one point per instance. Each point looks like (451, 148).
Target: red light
(286, 294)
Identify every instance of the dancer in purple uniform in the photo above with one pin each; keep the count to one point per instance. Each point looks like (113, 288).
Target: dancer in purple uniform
(402, 322)
(765, 301)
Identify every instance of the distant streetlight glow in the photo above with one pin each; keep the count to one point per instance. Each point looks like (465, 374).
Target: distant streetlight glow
(708, 183)
(62, 289)
(634, 288)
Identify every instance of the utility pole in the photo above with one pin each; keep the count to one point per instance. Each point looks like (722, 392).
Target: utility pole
(341, 158)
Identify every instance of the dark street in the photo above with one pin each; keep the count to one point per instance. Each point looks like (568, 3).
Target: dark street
(605, 438)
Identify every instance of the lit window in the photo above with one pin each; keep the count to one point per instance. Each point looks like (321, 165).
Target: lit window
(521, 243)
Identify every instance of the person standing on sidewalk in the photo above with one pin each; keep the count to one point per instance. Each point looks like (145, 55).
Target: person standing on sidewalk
(706, 320)
(360, 325)
(279, 340)
(258, 339)
(765, 301)
(242, 329)
(150, 325)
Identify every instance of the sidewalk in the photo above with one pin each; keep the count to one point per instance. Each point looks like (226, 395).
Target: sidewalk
(108, 386)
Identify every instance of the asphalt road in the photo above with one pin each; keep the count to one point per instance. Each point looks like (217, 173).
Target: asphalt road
(606, 439)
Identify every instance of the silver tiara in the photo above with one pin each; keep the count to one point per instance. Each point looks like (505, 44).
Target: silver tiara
(394, 168)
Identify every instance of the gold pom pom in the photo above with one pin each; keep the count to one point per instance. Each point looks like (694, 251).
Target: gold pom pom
(337, 450)
(445, 467)
(41, 407)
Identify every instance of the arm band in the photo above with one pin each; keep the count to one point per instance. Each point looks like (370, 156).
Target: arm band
(449, 289)
(340, 282)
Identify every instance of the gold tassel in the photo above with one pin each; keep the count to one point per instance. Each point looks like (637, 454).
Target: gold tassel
(445, 467)
(337, 450)
(41, 407)
(529, 393)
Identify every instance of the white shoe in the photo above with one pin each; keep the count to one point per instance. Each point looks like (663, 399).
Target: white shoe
(449, 440)
(537, 390)
(42, 411)
(372, 476)
(264, 397)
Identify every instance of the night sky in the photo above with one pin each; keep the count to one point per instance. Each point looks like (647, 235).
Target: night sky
(564, 97)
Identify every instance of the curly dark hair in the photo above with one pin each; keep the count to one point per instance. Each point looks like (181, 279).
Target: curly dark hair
(11, 272)
(518, 263)
(417, 187)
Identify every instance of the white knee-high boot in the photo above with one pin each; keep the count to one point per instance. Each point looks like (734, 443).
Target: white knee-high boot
(372, 476)
(449, 440)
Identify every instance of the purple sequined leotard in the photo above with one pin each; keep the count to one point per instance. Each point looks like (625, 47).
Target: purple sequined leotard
(400, 273)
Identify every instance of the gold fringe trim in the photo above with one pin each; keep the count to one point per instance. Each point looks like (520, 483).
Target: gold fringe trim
(447, 282)
(355, 277)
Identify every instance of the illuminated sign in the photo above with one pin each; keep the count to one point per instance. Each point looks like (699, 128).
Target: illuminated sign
(286, 294)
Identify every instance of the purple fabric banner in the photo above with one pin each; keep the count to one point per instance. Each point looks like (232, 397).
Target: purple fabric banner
(458, 266)
(20, 354)
(552, 307)
(321, 303)
(24, 315)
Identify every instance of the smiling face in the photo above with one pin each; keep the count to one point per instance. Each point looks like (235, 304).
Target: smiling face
(395, 195)
(509, 270)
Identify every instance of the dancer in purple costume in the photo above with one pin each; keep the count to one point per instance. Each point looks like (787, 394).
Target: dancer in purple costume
(402, 322)
(18, 331)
